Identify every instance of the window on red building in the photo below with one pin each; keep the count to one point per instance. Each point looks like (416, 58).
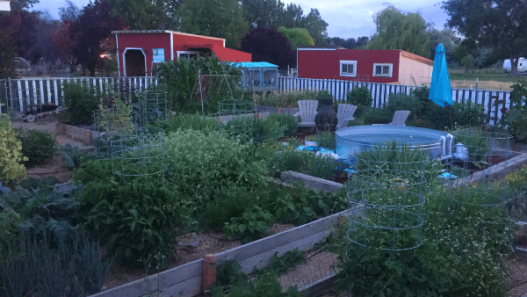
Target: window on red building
(348, 68)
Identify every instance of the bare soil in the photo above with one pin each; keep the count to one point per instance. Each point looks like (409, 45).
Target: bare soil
(209, 243)
(54, 167)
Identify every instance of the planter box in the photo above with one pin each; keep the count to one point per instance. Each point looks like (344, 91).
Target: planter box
(186, 280)
(75, 133)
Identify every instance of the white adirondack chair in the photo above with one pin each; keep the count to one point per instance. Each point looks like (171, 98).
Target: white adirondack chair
(307, 112)
(345, 114)
(400, 117)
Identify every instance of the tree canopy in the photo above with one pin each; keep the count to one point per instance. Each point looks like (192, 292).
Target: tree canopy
(140, 14)
(267, 44)
(297, 37)
(216, 18)
(92, 27)
(398, 30)
(497, 24)
(449, 40)
(263, 13)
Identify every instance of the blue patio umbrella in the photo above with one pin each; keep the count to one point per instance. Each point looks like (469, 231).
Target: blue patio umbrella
(440, 91)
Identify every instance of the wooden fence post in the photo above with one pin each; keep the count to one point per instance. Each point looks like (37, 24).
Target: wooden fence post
(209, 272)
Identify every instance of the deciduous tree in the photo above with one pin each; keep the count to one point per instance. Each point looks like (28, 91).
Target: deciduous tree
(498, 24)
(263, 13)
(297, 37)
(316, 26)
(267, 44)
(398, 30)
(93, 26)
(140, 14)
(216, 18)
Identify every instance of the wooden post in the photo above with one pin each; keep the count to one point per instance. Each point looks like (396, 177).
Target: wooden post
(209, 272)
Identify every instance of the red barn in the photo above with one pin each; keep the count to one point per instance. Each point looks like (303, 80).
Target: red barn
(139, 51)
(379, 66)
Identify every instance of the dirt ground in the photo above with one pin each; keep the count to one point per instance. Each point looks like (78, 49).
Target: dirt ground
(483, 85)
(209, 243)
(54, 167)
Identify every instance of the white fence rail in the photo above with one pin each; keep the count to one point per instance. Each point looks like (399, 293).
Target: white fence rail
(381, 92)
(16, 95)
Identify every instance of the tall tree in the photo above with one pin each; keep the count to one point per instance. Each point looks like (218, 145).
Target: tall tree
(398, 30)
(316, 26)
(18, 5)
(94, 25)
(71, 12)
(267, 44)
(297, 37)
(216, 18)
(293, 16)
(140, 14)
(173, 18)
(498, 24)
(62, 41)
(263, 13)
(9, 24)
(449, 40)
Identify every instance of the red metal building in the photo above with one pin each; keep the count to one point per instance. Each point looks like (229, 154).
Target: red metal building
(379, 66)
(139, 51)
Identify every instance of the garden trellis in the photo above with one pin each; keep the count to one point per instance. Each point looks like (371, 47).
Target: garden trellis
(386, 198)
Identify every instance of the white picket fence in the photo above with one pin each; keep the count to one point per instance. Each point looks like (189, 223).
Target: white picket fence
(381, 92)
(16, 95)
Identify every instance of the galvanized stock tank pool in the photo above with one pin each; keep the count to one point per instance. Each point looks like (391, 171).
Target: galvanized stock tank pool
(353, 140)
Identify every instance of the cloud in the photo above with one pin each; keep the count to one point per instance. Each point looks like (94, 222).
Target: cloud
(346, 18)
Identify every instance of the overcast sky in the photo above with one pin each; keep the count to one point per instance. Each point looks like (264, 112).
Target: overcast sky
(346, 18)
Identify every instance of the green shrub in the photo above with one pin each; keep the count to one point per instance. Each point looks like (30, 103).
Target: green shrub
(376, 116)
(464, 246)
(516, 118)
(37, 145)
(193, 122)
(267, 130)
(133, 220)
(204, 166)
(304, 162)
(251, 225)
(361, 97)
(73, 156)
(81, 102)
(11, 155)
(326, 139)
(43, 210)
(219, 81)
(405, 102)
(39, 266)
(290, 122)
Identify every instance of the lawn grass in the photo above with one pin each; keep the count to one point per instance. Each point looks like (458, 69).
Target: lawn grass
(490, 74)
(487, 79)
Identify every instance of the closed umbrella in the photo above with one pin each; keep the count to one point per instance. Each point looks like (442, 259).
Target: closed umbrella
(440, 91)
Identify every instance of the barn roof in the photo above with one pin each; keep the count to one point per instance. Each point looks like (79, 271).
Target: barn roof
(161, 31)
(416, 58)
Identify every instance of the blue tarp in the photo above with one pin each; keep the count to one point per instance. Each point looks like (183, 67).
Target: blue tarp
(440, 90)
(254, 65)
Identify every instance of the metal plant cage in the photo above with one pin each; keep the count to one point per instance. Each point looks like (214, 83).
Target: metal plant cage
(151, 107)
(110, 125)
(476, 165)
(386, 198)
(237, 117)
(139, 156)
